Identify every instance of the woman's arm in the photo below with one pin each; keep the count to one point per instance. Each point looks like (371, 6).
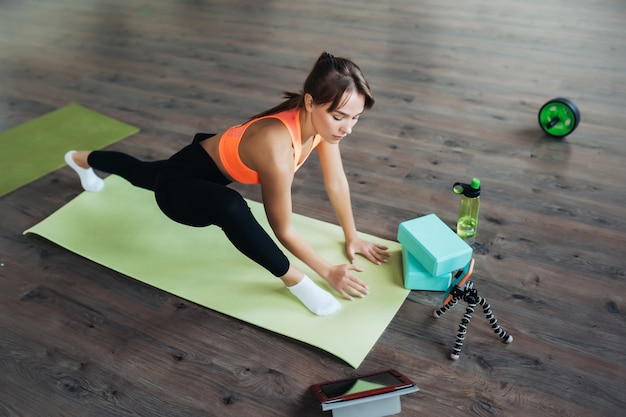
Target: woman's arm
(276, 170)
(338, 191)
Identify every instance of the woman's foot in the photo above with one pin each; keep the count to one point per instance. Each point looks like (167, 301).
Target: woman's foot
(315, 298)
(88, 178)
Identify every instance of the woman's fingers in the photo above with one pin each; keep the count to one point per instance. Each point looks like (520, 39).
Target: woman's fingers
(380, 253)
(355, 286)
(373, 252)
(347, 284)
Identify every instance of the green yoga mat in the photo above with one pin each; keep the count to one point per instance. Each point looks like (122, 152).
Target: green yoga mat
(35, 148)
(122, 228)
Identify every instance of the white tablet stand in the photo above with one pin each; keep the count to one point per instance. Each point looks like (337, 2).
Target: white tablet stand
(375, 406)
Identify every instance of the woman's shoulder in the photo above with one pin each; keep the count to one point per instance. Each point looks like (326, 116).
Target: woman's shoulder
(270, 128)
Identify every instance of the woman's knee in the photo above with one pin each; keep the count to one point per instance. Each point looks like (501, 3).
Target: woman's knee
(232, 208)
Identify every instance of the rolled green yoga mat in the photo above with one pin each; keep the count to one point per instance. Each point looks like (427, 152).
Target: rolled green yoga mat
(35, 148)
(122, 228)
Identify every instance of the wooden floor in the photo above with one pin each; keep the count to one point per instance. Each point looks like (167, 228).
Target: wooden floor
(458, 87)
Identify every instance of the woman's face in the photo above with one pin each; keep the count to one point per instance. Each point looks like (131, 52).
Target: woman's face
(337, 124)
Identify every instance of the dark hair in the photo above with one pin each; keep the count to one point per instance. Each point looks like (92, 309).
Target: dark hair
(329, 80)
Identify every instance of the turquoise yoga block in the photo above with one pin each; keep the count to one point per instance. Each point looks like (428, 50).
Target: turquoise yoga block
(417, 278)
(434, 245)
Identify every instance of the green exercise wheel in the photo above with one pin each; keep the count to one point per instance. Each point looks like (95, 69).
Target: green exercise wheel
(559, 117)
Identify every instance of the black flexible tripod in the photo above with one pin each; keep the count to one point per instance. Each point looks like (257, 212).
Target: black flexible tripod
(463, 289)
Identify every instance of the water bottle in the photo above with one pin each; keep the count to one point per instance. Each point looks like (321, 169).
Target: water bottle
(470, 204)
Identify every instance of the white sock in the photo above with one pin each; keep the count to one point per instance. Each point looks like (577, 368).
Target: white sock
(315, 298)
(88, 179)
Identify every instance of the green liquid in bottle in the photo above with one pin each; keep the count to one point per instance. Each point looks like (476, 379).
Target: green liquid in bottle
(466, 226)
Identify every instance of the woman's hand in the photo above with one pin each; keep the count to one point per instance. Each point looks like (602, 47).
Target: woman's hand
(373, 251)
(341, 278)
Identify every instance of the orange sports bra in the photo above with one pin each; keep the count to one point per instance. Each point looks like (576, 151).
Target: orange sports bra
(229, 146)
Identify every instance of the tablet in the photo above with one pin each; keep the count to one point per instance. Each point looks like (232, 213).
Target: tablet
(362, 386)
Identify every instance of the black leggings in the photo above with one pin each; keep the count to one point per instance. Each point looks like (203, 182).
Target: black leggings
(190, 189)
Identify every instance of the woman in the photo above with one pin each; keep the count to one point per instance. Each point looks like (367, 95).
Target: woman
(191, 186)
